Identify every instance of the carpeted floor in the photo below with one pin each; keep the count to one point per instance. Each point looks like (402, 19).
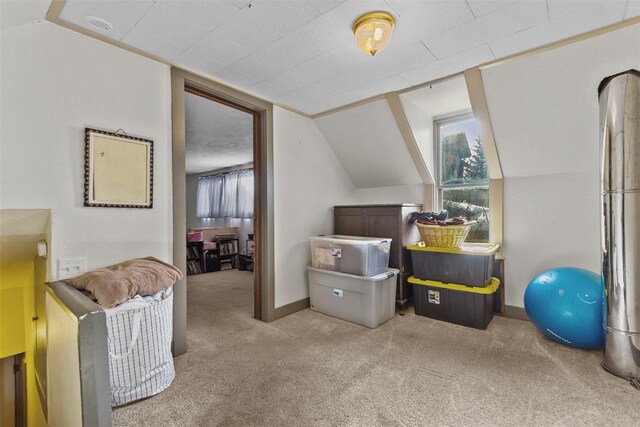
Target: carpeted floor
(313, 370)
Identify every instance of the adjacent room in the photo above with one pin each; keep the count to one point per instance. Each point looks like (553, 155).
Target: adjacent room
(219, 195)
(319, 212)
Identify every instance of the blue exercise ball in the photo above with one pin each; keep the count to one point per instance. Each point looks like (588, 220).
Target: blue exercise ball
(565, 304)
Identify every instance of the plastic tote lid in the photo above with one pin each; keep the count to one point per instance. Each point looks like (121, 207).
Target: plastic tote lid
(352, 240)
(491, 288)
(482, 249)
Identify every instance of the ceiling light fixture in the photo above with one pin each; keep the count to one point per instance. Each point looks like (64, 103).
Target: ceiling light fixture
(373, 32)
(98, 23)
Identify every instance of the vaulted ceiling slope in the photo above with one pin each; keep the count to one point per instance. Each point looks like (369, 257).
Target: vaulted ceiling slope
(301, 54)
(368, 143)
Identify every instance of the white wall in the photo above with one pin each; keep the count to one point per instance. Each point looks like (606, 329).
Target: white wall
(414, 193)
(435, 101)
(308, 181)
(55, 82)
(544, 112)
(369, 145)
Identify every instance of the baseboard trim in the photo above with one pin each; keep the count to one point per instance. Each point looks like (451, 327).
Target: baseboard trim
(515, 312)
(291, 308)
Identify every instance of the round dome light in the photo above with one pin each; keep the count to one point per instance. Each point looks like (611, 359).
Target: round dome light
(373, 32)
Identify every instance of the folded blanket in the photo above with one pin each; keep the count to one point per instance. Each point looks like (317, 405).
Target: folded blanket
(118, 283)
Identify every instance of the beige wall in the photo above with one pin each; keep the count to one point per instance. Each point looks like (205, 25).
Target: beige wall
(308, 181)
(54, 83)
(545, 116)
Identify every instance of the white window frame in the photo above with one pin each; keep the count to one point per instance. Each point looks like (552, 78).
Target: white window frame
(437, 124)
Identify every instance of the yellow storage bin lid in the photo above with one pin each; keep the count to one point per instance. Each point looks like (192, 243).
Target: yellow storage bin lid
(487, 290)
(482, 249)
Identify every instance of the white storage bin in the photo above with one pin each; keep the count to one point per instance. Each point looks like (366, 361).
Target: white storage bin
(362, 256)
(368, 301)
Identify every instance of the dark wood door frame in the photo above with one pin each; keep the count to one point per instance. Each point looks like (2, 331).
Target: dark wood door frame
(257, 168)
(185, 82)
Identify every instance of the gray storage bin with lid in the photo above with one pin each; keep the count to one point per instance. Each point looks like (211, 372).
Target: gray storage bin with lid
(362, 256)
(368, 301)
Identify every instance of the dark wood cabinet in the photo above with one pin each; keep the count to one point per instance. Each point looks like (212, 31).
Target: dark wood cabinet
(390, 221)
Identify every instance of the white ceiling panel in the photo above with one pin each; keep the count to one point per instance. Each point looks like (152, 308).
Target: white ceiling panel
(164, 22)
(257, 67)
(455, 40)
(241, 3)
(483, 7)
(523, 40)
(318, 36)
(204, 63)
(372, 151)
(123, 15)
(218, 49)
(216, 136)
(451, 65)
(344, 15)
(320, 68)
(324, 6)
(402, 58)
(267, 21)
(557, 8)
(236, 78)
(267, 90)
(513, 18)
(301, 53)
(591, 15)
(427, 18)
(600, 15)
(153, 43)
(286, 53)
(208, 14)
(288, 81)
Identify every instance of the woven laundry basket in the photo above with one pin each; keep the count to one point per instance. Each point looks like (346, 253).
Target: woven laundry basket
(444, 236)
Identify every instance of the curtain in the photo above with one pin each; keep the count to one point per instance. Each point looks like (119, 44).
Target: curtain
(226, 196)
(229, 201)
(245, 195)
(208, 197)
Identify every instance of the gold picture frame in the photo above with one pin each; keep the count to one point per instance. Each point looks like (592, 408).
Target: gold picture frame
(118, 171)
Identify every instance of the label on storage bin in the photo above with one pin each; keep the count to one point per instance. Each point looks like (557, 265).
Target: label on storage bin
(336, 251)
(337, 293)
(434, 297)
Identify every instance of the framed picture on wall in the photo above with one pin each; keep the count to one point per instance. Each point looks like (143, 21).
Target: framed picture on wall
(118, 170)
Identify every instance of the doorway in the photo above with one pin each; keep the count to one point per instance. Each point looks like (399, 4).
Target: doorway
(219, 164)
(235, 234)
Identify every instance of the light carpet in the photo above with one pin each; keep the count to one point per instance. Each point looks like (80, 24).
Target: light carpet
(309, 369)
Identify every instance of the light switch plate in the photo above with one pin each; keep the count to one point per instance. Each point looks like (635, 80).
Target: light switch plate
(71, 267)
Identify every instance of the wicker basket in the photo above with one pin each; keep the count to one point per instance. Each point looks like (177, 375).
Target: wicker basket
(448, 236)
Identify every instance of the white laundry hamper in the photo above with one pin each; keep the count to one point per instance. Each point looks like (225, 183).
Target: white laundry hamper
(139, 342)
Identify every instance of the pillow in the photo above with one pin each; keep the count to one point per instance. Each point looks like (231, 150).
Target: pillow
(118, 283)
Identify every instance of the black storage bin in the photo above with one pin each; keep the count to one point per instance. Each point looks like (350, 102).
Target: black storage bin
(469, 265)
(211, 261)
(462, 305)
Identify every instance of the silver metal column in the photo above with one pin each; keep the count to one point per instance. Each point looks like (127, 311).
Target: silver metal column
(620, 190)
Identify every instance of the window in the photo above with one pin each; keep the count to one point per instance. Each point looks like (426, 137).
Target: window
(225, 196)
(462, 176)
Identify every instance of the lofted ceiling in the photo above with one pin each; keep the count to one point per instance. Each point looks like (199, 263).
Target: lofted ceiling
(216, 136)
(301, 54)
(366, 140)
